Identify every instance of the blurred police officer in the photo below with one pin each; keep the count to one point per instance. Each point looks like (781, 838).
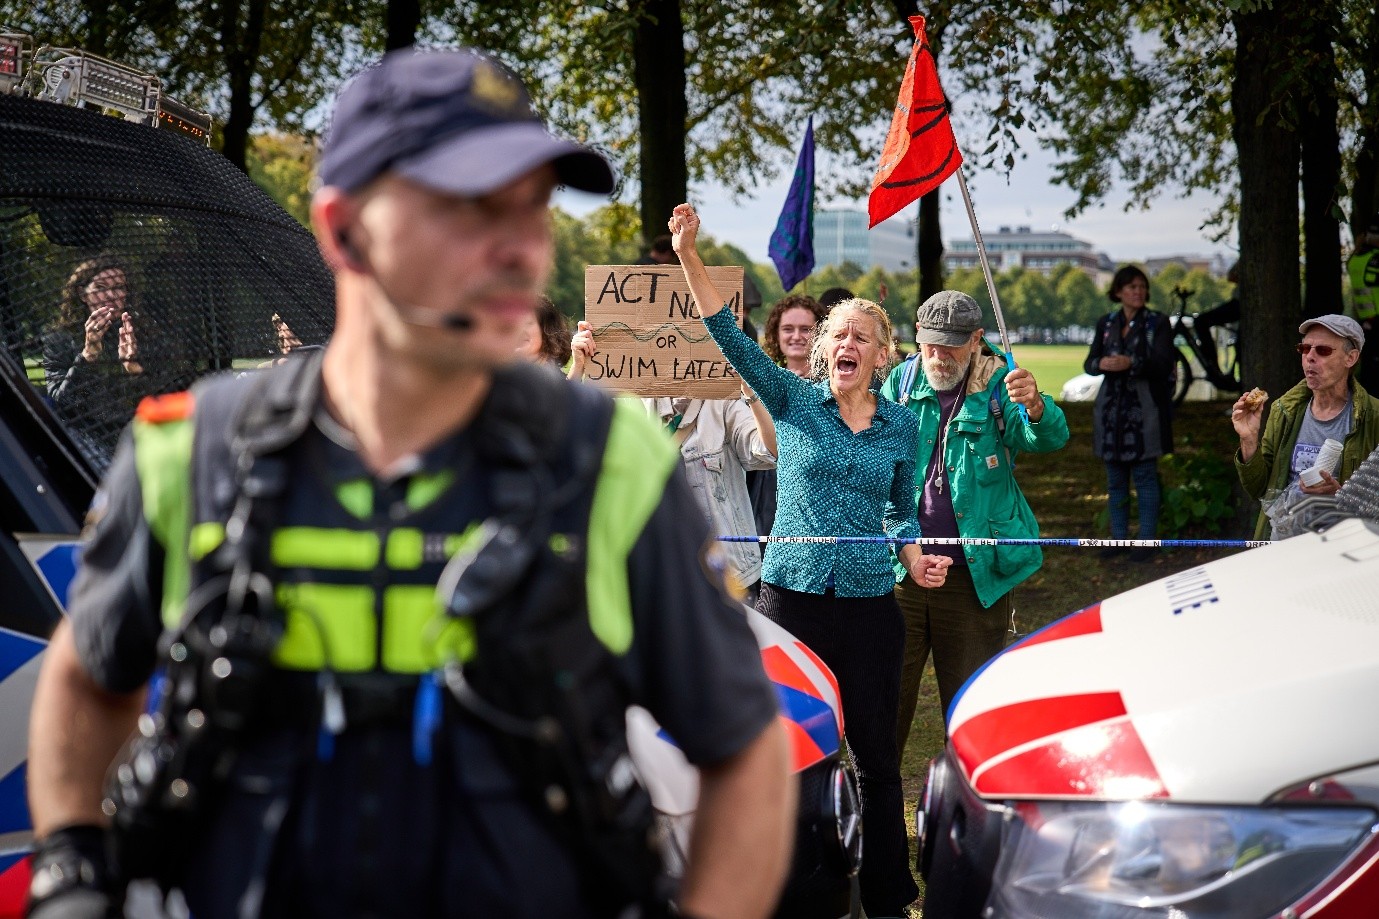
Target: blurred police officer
(348, 792)
(1363, 268)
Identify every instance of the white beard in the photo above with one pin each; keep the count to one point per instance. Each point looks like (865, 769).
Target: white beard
(944, 374)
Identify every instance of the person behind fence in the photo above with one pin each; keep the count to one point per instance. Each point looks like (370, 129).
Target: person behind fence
(91, 360)
(846, 468)
(660, 252)
(1132, 418)
(789, 337)
(1363, 269)
(406, 587)
(720, 440)
(833, 296)
(546, 338)
(1329, 404)
(971, 430)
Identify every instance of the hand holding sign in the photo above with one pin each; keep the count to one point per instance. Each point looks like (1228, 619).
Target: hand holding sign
(650, 339)
(582, 347)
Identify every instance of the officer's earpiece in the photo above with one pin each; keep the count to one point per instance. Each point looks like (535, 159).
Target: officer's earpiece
(353, 258)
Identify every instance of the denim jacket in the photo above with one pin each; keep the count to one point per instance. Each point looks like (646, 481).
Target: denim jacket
(720, 442)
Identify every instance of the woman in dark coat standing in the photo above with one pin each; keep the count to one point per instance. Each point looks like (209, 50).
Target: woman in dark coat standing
(1132, 420)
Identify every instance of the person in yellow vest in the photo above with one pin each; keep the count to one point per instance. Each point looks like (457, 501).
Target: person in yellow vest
(378, 612)
(1363, 268)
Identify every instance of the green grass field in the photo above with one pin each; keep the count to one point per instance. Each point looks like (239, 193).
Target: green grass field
(1052, 365)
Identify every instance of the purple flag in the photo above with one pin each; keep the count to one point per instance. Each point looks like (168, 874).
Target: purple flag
(792, 244)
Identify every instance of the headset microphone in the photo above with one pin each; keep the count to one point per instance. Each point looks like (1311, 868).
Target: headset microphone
(410, 315)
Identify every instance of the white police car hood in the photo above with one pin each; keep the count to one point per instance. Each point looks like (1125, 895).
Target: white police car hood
(1233, 682)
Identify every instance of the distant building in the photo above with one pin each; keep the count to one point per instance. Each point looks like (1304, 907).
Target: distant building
(1041, 252)
(841, 235)
(1212, 264)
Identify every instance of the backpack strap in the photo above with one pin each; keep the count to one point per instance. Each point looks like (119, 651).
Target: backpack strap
(907, 377)
(277, 408)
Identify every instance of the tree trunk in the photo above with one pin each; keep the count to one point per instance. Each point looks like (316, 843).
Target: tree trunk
(659, 59)
(99, 28)
(402, 19)
(242, 49)
(1321, 171)
(1267, 150)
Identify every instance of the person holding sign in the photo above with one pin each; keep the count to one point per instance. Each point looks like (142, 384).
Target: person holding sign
(719, 440)
(847, 466)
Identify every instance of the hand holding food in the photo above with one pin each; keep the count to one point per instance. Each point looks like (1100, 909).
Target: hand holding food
(1245, 418)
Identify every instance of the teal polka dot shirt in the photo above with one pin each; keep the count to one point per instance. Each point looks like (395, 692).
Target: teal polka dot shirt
(832, 482)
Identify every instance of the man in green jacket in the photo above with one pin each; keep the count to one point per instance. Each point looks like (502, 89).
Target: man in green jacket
(1329, 404)
(970, 430)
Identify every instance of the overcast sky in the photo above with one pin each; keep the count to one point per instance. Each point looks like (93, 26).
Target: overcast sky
(1169, 227)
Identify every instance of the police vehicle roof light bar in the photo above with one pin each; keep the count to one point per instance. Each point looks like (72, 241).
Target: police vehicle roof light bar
(72, 77)
(16, 48)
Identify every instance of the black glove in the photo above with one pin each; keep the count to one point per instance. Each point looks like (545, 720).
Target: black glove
(71, 878)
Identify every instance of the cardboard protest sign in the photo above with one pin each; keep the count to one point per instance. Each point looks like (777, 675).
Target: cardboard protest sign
(650, 338)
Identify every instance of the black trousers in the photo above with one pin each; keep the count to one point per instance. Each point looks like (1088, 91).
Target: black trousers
(862, 640)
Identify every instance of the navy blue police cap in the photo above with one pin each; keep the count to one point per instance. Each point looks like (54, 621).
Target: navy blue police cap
(454, 121)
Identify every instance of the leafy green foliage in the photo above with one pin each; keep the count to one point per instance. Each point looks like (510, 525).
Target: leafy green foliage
(247, 62)
(1198, 500)
(282, 165)
(1131, 94)
(753, 71)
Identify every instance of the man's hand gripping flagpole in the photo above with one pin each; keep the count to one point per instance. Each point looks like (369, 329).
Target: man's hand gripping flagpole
(990, 282)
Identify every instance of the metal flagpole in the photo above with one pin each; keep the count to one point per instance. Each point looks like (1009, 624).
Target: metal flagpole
(990, 282)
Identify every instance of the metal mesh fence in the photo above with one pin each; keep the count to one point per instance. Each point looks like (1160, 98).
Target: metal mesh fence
(133, 261)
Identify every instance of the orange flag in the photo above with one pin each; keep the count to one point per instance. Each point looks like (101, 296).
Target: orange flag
(921, 150)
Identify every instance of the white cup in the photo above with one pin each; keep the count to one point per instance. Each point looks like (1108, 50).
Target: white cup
(1327, 458)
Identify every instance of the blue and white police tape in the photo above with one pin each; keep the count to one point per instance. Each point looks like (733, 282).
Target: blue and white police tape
(1041, 541)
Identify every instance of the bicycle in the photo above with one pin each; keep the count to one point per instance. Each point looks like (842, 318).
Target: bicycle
(1226, 339)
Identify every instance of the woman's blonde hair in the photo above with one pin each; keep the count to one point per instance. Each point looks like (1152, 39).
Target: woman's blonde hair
(885, 337)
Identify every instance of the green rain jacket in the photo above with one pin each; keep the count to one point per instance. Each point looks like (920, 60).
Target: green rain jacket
(980, 456)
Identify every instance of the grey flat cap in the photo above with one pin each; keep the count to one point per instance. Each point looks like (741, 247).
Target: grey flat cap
(947, 318)
(1343, 326)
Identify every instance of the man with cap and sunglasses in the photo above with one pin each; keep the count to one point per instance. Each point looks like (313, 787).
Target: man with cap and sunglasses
(1329, 404)
(970, 431)
(381, 545)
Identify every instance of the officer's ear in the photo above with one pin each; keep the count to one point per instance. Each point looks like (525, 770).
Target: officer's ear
(333, 213)
(352, 257)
